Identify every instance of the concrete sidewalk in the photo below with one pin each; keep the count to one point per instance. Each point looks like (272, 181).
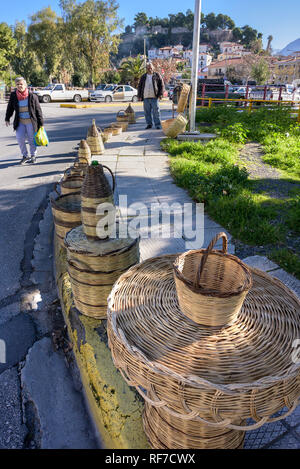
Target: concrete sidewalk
(142, 174)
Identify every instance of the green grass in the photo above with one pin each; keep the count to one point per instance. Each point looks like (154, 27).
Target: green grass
(287, 260)
(212, 174)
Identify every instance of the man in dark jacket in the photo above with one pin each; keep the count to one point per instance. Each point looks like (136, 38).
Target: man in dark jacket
(28, 118)
(150, 90)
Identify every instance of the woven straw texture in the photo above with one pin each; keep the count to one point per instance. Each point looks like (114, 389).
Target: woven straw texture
(162, 434)
(211, 285)
(72, 184)
(95, 191)
(217, 375)
(122, 116)
(91, 287)
(166, 124)
(104, 256)
(84, 153)
(131, 115)
(66, 211)
(176, 127)
(183, 99)
(122, 125)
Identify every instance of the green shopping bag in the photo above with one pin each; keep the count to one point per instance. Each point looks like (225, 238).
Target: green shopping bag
(41, 138)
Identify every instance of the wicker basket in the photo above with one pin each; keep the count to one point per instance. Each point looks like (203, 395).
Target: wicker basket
(66, 211)
(166, 124)
(84, 153)
(106, 134)
(216, 376)
(70, 185)
(95, 191)
(183, 99)
(94, 140)
(211, 285)
(162, 434)
(176, 127)
(131, 115)
(122, 116)
(123, 125)
(115, 130)
(112, 258)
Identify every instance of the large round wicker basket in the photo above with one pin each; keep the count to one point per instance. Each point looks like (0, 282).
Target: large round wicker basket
(162, 434)
(211, 285)
(176, 127)
(122, 116)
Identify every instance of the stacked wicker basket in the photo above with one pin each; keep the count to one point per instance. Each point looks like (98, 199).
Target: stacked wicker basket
(207, 372)
(95, 261)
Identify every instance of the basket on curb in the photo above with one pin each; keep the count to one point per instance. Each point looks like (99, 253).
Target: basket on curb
(106, 134)
(177, 126)
(94, 140)
(70, 185)
(131, 115)
(122, 116)
(123, 125)
(94, 266)
(219, 377)
(180, 435)
(183, 99)
(84, 153)
(114, 129)
(66, 211)
(211, 285)
(96, 191)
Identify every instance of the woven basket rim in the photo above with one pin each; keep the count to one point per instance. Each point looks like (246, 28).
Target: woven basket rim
(89, 254)
(245, 287)
(192, 380)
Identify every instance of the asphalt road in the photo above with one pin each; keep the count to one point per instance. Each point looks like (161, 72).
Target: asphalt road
(23, 188)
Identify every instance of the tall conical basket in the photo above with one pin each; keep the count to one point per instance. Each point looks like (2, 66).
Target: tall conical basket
(131, 115)
(94, 141)
(84, 153)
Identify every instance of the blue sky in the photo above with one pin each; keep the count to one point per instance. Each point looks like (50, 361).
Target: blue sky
(281, 19)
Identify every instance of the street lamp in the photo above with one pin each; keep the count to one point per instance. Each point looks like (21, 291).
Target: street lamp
(195, 62)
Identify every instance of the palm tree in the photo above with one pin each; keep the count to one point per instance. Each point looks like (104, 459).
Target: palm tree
(134, 68)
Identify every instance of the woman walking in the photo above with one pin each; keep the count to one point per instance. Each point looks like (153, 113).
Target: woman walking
(28, 118)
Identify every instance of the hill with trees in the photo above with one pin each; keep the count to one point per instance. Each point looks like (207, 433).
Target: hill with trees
(178, 29)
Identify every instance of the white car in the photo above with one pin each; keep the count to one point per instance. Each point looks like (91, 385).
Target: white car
(115, 93)
(59, 92)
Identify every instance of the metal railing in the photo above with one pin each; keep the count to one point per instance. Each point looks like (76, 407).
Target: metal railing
(250, 108)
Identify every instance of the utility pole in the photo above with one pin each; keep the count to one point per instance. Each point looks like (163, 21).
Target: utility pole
(195, 62)
(145, 60)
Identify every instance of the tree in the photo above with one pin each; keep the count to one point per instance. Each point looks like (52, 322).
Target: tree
(269, 49)
(165, 67)
(140, 19)
(112, 76)
(260, 71)
(91, 32)
(7, 46)
(249, 35)
(25, 62)
(132, 70)
(237, 34)
(45, 39)
(211, 21)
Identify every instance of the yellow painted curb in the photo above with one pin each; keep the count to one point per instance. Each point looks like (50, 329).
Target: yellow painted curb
(115, 407)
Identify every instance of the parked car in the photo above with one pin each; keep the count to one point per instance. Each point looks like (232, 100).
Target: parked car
(115, 93)
(59, 92)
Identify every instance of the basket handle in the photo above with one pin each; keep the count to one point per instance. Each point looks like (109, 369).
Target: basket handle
(206, 254)
(99, 129)
(113, 177)
(121, 110)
